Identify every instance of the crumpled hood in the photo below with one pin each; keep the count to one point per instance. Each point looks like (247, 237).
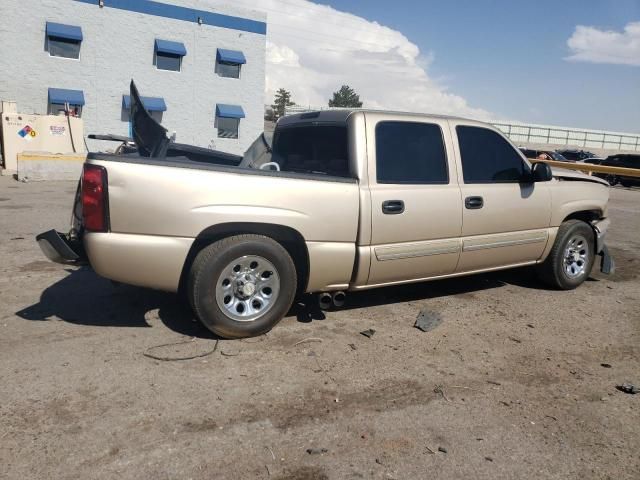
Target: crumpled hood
(576, 175)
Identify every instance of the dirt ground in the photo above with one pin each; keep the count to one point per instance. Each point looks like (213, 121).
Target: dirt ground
(510, 385)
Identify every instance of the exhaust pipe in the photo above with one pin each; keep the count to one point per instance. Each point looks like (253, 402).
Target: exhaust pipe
(339, 299)
(325, 301)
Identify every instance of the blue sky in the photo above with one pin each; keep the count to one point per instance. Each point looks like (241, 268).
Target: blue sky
(508, 57)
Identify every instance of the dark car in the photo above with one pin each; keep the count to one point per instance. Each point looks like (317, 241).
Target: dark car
(626, 160)
(544, 155)
(576, 155)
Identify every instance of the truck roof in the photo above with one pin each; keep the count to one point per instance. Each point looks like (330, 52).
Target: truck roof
(341, 116)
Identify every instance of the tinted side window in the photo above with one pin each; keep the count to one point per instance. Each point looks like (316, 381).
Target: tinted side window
(410, 153)
(321, 149)
(488, 158)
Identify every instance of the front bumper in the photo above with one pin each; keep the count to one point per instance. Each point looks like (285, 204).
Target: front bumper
(600, 227)
(59, 248)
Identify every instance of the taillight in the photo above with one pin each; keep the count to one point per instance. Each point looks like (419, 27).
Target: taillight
(94, 198)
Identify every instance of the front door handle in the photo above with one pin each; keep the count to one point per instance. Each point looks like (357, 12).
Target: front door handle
(392, 207)
(473, 203)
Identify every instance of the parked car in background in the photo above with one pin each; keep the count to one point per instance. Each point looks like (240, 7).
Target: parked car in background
(576, 155)
(621, 160)
(544, 155)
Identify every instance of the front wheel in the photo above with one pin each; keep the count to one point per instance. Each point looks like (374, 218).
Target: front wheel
(571, 258)
(241, 286)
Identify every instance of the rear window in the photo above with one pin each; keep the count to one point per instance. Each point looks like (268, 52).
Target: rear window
(319, 149)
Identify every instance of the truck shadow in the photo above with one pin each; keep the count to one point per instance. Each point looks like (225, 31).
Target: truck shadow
(84, 298)
(307, 309)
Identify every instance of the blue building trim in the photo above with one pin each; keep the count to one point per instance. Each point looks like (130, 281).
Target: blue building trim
(68, 32)
(186, 14)
(172, 48)
(229, 111)
(60, 96)
(235, 57)
(151, 104)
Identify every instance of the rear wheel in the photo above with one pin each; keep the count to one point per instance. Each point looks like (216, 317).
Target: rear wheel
(612, 179)
(571, 258)
(242, 286)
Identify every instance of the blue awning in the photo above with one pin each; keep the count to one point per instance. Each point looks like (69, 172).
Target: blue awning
(229, 111)
(61, 96)
(171, 48)
(231, 56)
(151, 104)
(69, 32)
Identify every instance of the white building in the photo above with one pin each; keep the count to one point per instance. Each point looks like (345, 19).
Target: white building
(201, 67)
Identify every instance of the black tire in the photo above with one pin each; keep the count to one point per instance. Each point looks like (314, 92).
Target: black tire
(553, 270)
(206, 271)
(612, 180)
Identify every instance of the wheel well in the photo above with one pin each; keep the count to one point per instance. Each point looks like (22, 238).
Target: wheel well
(292, 241)
(586, 216)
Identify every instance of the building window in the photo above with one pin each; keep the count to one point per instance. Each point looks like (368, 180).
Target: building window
(62, 100)
(168, 55)
(63, 40)
(229, 63)
(228, 120)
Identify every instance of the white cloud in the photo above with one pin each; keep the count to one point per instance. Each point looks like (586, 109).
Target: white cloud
(590, 44)
(313, 49)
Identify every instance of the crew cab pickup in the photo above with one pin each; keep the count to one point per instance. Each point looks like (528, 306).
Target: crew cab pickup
(342, 201)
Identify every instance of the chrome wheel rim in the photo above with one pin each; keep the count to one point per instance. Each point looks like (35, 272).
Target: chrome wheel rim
(247, 288)
(576, 256)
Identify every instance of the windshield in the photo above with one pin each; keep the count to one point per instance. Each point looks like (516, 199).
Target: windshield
(557, 156)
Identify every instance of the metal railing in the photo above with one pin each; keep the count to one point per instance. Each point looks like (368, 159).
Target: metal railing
(546, 134)
(551, 135)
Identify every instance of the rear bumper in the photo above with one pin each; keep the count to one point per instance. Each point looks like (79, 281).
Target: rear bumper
(60, 248)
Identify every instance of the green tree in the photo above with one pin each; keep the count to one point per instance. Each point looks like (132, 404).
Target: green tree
(345, 97)
(281, 101)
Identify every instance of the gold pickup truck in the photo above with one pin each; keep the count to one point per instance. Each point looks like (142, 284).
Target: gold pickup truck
(341, 201)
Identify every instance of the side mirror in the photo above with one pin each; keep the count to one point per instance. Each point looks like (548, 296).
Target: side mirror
(541, 172)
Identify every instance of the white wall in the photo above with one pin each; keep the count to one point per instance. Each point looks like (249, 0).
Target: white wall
(118, 45)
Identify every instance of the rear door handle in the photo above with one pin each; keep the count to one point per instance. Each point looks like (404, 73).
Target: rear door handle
(473, 203)
(392, 207)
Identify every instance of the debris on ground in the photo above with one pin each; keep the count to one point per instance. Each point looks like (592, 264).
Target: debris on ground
(307, 340)
(605, 365)
(440, 390)
(353, 346)
(427, 320)
(628, 388)
(514, 339)
(316, 451)
(178, 351)
(442, 449)
(368, 333)
(489, 459)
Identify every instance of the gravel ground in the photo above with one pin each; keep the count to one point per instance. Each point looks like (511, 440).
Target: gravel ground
(517, 382)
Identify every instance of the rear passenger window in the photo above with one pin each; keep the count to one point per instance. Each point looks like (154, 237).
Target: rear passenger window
(488, 158)
(410, 153)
